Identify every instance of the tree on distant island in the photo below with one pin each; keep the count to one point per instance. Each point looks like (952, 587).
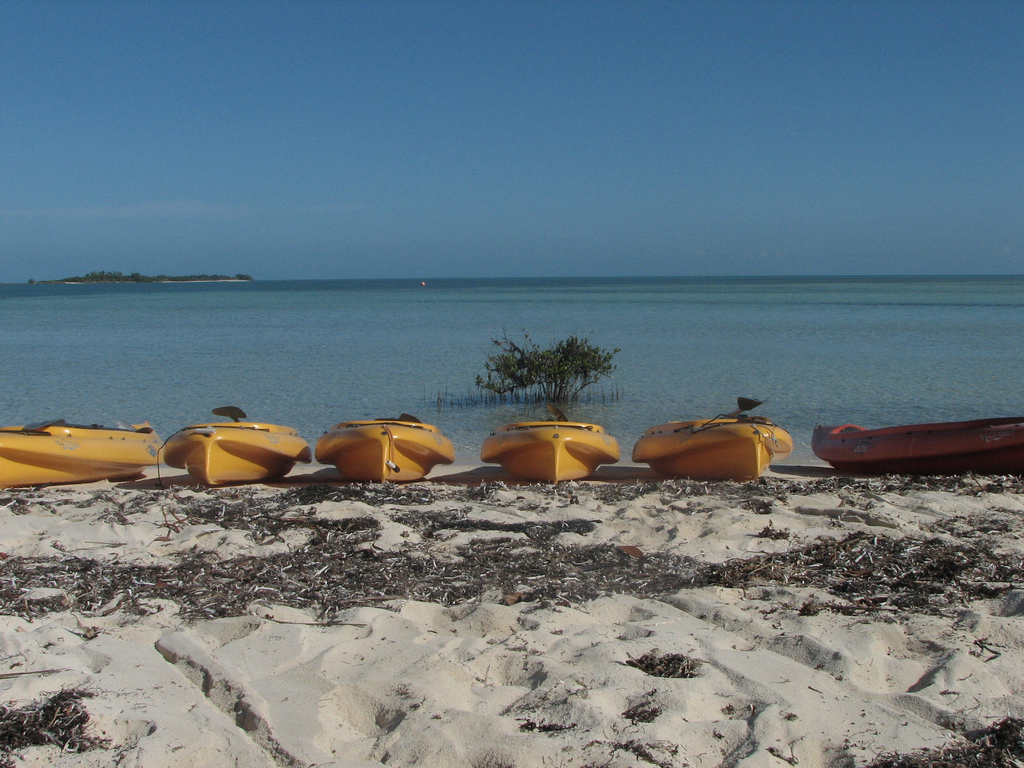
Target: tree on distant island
(135, 277)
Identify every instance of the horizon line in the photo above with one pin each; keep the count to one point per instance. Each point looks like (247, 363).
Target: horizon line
(631, 278)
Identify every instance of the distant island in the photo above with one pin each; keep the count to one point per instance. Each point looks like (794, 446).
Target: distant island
(135, 277)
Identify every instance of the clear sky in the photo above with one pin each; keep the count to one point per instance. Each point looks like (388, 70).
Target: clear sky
(347, 139)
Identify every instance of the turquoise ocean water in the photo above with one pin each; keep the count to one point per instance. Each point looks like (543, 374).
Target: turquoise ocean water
(872, 351)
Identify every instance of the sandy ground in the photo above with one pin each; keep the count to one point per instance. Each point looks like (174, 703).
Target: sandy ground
(472, 621)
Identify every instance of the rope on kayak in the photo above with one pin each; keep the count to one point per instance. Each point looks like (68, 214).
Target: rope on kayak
(159, 461)
(728, 419)
(390, 461)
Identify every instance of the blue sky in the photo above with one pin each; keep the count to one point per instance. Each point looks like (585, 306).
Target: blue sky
(310, 139)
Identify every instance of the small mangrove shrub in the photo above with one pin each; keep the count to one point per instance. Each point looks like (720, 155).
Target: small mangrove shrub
(525, 371)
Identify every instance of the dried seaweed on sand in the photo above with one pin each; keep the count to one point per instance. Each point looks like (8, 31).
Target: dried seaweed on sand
(337, 563)
(666, 664)
(335, 569)
(59, 720)
(927, 575)
(779, 488)
(998, 746)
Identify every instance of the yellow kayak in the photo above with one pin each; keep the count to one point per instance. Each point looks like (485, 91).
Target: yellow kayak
(724, 448)
(384, 449)
(55, 452)
(235, 452)
(549, 451)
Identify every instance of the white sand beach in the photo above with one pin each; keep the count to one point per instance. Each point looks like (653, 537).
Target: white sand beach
(469, 621)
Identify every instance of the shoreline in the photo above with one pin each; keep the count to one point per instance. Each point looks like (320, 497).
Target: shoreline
(469, 473)
(465, 620)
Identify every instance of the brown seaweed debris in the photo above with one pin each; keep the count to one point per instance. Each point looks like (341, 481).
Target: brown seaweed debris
(337, 572)
(338, 567)
(642, 712)
(430, 523)
(374, 494)
(666, 664)
(780, 488)
(264, 517)
(59, 720)
(338, 563)
(1000, 745)
(530, 725)
(905, 573)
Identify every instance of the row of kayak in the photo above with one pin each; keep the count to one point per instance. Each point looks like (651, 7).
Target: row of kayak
(732, 446)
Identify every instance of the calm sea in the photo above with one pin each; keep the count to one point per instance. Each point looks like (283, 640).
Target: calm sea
(872, 351)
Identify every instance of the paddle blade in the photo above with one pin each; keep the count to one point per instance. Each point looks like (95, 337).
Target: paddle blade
(402, 417)
(43, 425)
(231, 411)
(559, 416)
(747, 404)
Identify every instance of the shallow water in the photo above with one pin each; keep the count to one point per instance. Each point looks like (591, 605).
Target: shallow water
(873, 351)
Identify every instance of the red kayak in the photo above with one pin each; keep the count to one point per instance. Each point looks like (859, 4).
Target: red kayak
(985, 446)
